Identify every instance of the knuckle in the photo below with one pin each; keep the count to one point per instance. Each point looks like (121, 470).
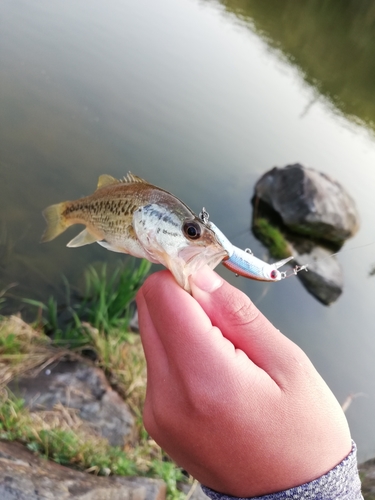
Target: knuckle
(241, 313)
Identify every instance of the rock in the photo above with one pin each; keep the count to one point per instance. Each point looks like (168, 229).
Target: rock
(25, 476)
(309, 202)
(134, 323)
(75, 384)
(367, 475)
(324, 277)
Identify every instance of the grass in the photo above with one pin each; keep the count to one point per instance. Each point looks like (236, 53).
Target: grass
(106, 303)
(94, 320)
(107, 299)
(22, 349)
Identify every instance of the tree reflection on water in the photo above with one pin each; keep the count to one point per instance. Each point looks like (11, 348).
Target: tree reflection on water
(330, 42)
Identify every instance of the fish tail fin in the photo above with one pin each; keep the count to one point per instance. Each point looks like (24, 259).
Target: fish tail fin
(56, 224)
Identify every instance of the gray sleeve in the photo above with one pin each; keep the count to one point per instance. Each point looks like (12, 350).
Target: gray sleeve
(342, 482)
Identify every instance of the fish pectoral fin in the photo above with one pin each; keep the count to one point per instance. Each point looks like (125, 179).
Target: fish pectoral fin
(111, 247)
(106, 180)
(83, 238)
(281, 263)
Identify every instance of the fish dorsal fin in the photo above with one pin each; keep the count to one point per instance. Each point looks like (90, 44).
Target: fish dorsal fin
(106, 180)
(131, 178)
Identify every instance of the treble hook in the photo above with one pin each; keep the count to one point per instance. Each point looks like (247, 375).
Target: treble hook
(294, 271)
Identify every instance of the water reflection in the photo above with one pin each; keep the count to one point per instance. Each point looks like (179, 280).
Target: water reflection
(330, 42)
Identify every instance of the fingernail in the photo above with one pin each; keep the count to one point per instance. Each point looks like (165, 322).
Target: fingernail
(206, 279)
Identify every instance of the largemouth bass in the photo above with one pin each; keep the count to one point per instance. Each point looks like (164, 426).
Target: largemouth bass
(134, 217)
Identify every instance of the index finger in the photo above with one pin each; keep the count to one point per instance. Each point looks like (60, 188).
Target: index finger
(181, 327)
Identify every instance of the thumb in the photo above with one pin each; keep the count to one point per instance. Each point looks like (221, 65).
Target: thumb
(241, 322)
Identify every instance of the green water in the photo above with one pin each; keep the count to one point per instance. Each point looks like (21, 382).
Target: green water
(200, 98)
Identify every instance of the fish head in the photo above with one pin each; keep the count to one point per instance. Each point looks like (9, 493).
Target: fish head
(178, 239)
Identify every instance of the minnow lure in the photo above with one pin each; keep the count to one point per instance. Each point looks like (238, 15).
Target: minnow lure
(244, 263)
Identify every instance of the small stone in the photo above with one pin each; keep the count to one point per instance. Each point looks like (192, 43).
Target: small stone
(324, 276)
(367, 474)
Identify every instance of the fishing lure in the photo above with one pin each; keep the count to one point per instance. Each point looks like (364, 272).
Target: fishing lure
(244, 263)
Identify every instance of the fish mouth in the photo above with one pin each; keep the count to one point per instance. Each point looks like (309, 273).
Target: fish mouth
(196, 258)
(190, 259)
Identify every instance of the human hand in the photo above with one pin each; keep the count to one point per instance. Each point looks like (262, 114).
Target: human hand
(229, 398)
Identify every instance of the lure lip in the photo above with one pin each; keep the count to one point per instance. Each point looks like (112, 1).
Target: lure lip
(282, 262)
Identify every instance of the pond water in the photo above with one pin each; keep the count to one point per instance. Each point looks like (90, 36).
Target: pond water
(200, 98)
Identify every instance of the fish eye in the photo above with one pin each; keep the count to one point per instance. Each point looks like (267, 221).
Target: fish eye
(274, 274)
(192, 230)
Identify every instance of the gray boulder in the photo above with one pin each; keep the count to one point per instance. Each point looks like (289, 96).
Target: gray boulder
(84, 387)
(25, 476)
(309, 202)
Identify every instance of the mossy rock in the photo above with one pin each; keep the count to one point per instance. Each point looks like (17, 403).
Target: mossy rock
(309, 203)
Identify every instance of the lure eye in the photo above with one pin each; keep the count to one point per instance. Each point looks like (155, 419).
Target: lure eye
(274, 274)
(192, 230)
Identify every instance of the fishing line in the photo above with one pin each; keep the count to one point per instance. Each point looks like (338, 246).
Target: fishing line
(347, 250)
(352, 248)
(304, 267)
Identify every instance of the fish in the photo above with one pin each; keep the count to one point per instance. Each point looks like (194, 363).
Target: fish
(135, 217)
